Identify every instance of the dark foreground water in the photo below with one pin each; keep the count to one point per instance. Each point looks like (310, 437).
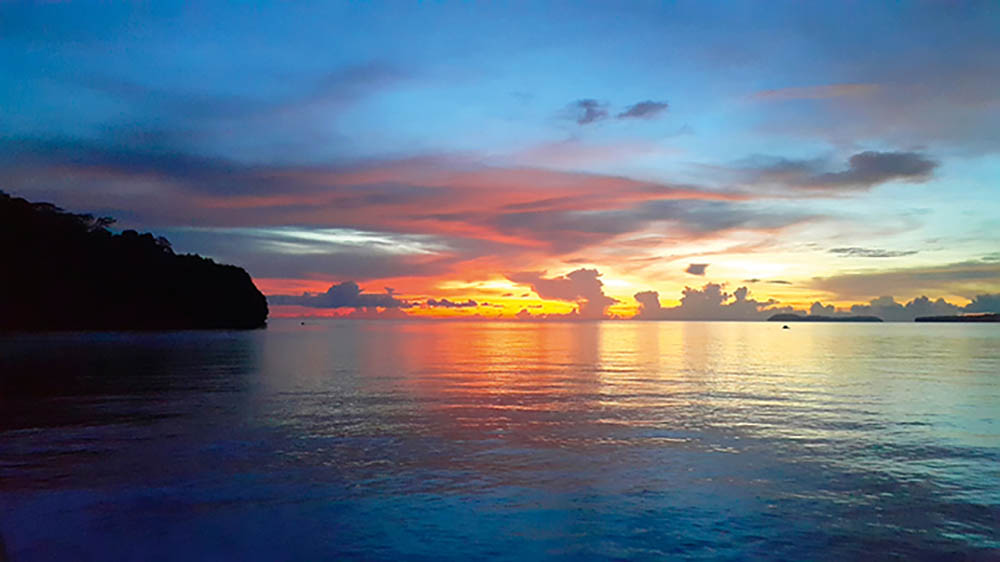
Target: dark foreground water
(434, 441)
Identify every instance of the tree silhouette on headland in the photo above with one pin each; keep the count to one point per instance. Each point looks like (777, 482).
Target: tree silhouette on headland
(66, 271)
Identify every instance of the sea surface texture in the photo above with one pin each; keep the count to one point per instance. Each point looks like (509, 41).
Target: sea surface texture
(353, 440)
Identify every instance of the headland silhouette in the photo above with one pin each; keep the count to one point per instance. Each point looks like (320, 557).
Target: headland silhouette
(67, 271)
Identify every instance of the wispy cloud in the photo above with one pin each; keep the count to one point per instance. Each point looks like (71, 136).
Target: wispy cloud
(193, 107)
(824, 91)
(857, 252)
(969, 278)
(460, 204)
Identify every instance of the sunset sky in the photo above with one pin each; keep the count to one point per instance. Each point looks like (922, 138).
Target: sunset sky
(529, 159)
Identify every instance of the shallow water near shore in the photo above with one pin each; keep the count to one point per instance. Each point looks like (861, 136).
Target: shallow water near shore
(450, 440)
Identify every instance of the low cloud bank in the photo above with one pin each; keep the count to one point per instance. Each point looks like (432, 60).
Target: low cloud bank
(445, 303)
(889, 310)
(712, 302)
(584, 288)
(343, 295)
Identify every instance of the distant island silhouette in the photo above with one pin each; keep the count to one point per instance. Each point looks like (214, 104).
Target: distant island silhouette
(983, 317)
(787, 317)
(66, 271)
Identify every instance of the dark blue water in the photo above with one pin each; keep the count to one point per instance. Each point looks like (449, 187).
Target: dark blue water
(461, 441)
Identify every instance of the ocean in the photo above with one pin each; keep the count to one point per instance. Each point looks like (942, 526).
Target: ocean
(385, 440)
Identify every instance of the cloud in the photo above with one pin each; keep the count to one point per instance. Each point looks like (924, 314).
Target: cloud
(857, 252)
(574, 153)
(984, 303)
(819, 309)
(336, 89)
(711, 302)
(564, 231)
(864, 171)
(889, 310)
(643, 110)
(696, 268)
(649, 305)
(972, 277)
(445, 303)
(938, 97)
(449, 210)
(582, 286)
(305, 252)
(886, 308)
(702, 217)
(825, 91)
(342, 295)
(571, 230)
(589, 111)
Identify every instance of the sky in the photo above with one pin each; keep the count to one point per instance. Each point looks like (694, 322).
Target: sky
(530, 160)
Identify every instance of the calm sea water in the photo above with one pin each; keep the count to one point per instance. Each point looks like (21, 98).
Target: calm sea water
(436, 441)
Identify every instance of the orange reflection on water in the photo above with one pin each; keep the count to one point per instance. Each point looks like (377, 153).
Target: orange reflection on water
(532, 381)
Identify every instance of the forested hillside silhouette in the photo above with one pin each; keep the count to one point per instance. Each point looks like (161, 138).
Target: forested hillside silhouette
(66, 271)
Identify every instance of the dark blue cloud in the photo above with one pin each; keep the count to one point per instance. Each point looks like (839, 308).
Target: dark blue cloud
(644, 110)
(696, 268)
(864, 170)
(445, 303)
(589, 111)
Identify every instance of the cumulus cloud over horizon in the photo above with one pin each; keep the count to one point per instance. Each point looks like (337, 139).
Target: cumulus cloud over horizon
(711, 302)
(342, 295)
(888, 309)
(582, 286)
